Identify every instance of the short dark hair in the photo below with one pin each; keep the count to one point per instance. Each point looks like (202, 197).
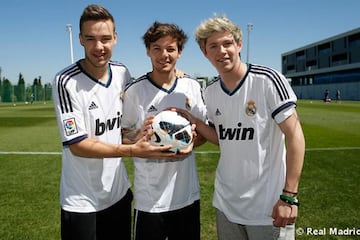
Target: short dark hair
(158, 30)
(95, 12)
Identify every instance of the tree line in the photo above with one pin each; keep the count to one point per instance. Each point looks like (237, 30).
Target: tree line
(22, 92)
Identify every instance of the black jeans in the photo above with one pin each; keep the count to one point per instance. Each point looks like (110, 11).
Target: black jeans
(111, 223)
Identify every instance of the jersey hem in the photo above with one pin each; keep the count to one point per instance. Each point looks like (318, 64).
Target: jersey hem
(90, 209)
(166, 209)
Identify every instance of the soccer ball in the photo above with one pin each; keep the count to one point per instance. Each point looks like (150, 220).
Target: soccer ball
(170, 128)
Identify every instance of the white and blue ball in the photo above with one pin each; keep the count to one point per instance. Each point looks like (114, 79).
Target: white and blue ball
(170, 128)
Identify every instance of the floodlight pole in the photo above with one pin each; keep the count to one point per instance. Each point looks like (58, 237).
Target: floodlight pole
(249, 28)
(69, 29)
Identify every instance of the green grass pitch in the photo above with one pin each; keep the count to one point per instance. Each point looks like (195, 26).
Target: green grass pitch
(30, 167)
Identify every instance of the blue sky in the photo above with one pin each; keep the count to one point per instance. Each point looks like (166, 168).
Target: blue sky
(34, 40)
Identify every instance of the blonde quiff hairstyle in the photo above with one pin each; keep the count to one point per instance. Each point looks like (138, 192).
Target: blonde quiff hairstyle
(213, 25)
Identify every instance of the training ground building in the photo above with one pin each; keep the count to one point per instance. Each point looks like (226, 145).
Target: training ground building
(328, 65)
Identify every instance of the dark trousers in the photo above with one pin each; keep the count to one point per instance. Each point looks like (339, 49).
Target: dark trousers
(181, 224)
(111, 223)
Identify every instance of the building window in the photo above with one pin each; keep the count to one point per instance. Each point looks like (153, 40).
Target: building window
(354, 40)
(339, 59)
(324, 49)
(311, 64)
(300, 55)
(290, 68)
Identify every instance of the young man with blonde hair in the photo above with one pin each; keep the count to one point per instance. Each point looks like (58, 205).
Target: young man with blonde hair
(251, 112)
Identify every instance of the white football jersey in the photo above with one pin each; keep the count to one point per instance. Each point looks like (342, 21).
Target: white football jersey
(162, 185)
(88, 108)
(251, 170)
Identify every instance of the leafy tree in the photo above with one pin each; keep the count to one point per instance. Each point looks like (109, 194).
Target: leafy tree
(47, 92)
(20, 89)
(7, 91)
(37, 89)
(1, 90)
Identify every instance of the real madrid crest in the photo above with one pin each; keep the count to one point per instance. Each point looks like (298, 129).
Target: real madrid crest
(250, 108)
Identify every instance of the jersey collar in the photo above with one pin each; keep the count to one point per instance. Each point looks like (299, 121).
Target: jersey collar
(233, 91)
(170, 90)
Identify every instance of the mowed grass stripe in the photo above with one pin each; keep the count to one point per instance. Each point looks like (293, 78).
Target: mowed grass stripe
(196, 152)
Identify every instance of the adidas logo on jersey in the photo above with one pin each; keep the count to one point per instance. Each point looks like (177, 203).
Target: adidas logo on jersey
(93, 106)
(152, 109)
(217, 113)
